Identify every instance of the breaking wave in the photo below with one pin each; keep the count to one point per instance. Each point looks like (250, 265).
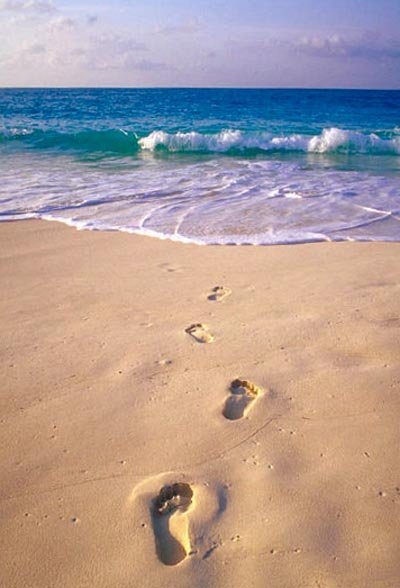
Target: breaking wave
(329, 141)
(230, 141)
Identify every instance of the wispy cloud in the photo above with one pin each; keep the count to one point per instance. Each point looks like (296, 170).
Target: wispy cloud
(112, 51)
(100, 53)
(148, 65)
(92, 19)
(61, 23)
(369, 46)
(35, 6)
(190, 26)
(97, 59)
(54, 41)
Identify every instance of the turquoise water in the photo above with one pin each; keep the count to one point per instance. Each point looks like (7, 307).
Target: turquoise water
(206, 166)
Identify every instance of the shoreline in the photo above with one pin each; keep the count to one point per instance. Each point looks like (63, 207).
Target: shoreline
(107, 397)
(182, 240)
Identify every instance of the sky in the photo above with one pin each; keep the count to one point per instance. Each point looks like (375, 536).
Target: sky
(201, 43)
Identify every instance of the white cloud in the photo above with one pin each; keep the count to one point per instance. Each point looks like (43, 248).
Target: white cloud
(105, 52)
(61, 23)
(148, 65)
(190, 26)
(37, 6)
(368, 46)
(28, 54)
(37, 49)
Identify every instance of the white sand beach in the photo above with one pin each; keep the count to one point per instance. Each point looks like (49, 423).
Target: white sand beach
(119, 360)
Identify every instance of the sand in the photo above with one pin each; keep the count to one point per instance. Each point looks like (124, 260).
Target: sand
(107, 396)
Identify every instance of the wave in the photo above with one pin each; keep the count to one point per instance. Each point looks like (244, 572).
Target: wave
(108, 141)
(331, 140)
(122, 142)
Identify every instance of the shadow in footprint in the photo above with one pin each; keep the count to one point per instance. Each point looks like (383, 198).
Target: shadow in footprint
(200, 333)
(242, 398)
(222, 500)
(170, 522)
(218, 293)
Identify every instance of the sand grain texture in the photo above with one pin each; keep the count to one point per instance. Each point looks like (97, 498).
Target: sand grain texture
(105, 399)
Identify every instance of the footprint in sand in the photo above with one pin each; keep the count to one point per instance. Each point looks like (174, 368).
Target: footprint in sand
(169, 267)
(218, 293)
(171, 523)
(200, 333)
(242, 398)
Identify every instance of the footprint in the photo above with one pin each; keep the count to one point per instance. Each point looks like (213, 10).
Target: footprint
(218, 293)
(170, 267)
(243, 395)
(171, 524)
(200, 333)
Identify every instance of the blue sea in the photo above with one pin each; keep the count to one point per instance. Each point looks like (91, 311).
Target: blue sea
(206, 166)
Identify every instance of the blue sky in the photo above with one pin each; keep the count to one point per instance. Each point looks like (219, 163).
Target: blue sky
(256, 43)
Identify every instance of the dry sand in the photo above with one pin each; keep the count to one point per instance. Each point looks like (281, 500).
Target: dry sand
(116, 374)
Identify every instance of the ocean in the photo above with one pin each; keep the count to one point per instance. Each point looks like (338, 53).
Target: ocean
(208, 166)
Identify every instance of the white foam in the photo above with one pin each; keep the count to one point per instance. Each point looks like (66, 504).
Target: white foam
(333, 139)
(330, 140)
(219, 200)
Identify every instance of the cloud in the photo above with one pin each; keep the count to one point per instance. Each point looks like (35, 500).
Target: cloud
(98, 57)
(190, 26)
(92, 19)
(369, 46)
(106, 52)
(106, 62)
(37, 6)
(61, 23)
(252, 46)
(37, 49)
(147, 65)
(112, 51)
(27, 55)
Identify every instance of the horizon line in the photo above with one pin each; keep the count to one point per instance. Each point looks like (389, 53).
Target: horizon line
(198, 88)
